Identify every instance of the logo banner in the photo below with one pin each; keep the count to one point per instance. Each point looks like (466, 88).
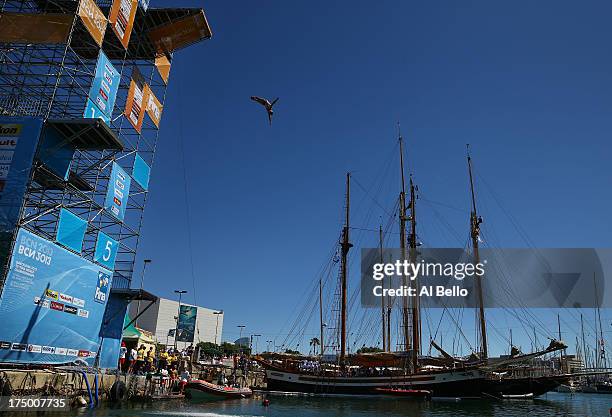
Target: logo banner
(52, 304)
(94, 20)
(122, 15)
(154, 107)
(118, 192)
(103, 91)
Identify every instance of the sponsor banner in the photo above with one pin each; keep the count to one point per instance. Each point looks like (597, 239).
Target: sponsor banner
(20, 347)
(78, 302)
(71, 230)
(40, 268)
(57, 306)
(103, 91)
(70, 309)
(93, 112)
(186, 323)
(66, 298)
(121, 18)
(61, 351)
(34, 348)
(5, 345)
(162, 63)
(133, 106)
(118, 192)
(35, 27)
(19, 138)
(49, 350)
(94, 20)
(83, 313)
(153, 107)
(72, 352)
(106, 251)
(180, 33)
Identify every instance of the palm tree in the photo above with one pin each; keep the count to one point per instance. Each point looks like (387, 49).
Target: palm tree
(314, 342)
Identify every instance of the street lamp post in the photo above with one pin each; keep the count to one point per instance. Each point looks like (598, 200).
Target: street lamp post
(251, 345)
(269, 344)
(217, 313)
(178, 317)
(144, 269)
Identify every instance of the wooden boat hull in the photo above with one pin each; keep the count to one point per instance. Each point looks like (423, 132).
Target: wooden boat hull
(464, 383)
(205, 391)
(456, 384)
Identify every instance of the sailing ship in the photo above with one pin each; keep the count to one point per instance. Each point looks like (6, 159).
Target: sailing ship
(409, 370)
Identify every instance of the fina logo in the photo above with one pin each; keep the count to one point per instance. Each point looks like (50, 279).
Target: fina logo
(102, 287)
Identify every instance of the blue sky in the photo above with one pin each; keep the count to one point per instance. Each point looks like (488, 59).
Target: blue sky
(527, 84)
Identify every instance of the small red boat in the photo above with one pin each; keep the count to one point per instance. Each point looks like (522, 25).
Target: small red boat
(415, 393)
(201, 390)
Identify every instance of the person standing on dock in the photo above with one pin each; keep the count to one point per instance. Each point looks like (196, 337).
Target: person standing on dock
(132, 364)
(122, 355)
(140, 358)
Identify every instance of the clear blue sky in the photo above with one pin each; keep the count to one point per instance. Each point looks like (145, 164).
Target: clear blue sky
(528, 84)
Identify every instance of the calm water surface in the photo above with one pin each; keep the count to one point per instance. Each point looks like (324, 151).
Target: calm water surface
(553, 404)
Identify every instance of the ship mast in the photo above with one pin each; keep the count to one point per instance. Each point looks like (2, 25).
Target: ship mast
(321, 315)
(416, 305)
(402, 219)
(475, 222)
(346, 246)
(382, 298)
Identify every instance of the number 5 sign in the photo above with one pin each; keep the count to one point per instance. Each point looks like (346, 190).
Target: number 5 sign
(106, 251)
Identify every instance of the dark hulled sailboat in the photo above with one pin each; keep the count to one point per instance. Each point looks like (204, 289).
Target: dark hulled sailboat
(444, 376)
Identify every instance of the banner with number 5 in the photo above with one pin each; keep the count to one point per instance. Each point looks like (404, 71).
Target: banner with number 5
(106, 251)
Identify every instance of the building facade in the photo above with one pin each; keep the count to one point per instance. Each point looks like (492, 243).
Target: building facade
(160, 319)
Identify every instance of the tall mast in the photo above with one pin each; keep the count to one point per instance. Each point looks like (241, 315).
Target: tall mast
(382, 298)
(416, 305)
(346, 246)
(584, 352)
(321, 314)
(402, 219)
(475, 221)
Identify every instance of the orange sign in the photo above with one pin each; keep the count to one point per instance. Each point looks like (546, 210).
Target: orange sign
(133, 106)
(93, 19)
(162, 64)
(122, 15)
(35, 28)
(153, 107)
(180, 33)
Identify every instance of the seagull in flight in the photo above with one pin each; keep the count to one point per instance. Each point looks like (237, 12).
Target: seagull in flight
(266, 103)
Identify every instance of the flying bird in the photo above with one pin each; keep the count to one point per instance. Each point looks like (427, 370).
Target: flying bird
(266, 103)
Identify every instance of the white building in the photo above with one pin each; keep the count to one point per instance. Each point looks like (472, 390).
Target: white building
(160, 319)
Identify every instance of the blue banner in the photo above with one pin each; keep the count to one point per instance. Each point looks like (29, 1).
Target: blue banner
(18, 141)
(141, 172)
(52, 305)
(118, 192)
(103, 91)
(71, 230)
(187, 323)
(106, 251)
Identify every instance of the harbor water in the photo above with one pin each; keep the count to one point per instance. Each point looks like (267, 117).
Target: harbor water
(552, 404)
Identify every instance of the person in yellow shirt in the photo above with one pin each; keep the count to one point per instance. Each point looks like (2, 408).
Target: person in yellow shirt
(140, 357)
(150, 359)
(163, 359)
